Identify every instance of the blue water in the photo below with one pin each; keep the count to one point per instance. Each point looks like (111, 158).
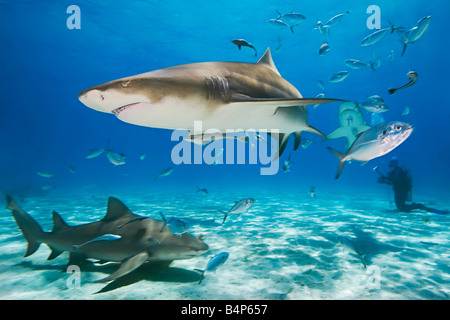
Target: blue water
(44, 127)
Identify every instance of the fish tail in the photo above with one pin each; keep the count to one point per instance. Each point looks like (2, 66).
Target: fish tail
(31, 230)
(225, 217)
(292, 28)
(202, 275)
(405, 45)
(341, 162)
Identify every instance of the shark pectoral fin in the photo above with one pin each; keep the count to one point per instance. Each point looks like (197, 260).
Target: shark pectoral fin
(127, 266)
(341, 163)
(311, 129)
(279, 102)
(338, 133)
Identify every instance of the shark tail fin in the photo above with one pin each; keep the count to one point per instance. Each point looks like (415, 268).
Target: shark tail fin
(31, 230)
(202, 275)
(341, 162)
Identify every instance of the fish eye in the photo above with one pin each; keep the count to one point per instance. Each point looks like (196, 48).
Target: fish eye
(384, 132)
(125, 83)
(399, 128)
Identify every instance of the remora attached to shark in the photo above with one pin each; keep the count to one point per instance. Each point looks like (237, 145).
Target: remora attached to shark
(223, 95)
(120, 236)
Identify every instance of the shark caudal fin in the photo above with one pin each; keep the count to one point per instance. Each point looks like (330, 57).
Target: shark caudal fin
(31, 230)
(341, 162)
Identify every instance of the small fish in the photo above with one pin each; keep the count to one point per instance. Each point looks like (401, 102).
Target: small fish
(164, 173)
(323, 29)
(376, 98)
(115, 158)
(336, 19)
(291, 17)
(374, 142)
(319, 96)
(312, 192)
(375, 64)
(202, 190)
(413, 76)
(412, 35)
(142, 156)
(391, 56)
(45, 174)
(306, 143)
(405, 112)
(280, 24)
(105, 237)
(324, 48)
(213, 264)
(280, 45)
(72, 169)
(239, 207)
(287, 164)
(375, 37)
(242, 43)
(338, 77)
(47, 186)
(95, 153)
(175, 225)
(356, 64)
(374, 106)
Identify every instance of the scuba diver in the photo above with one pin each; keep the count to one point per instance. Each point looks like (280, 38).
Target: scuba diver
(401, 181)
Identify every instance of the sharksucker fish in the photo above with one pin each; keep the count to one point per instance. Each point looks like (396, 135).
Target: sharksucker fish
(113, 238)
(413, 75)
(374, 142)
(223, 95)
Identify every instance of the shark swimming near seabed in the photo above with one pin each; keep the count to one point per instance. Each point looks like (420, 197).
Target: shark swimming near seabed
(223, 95)
(120, 236)
(351, 123)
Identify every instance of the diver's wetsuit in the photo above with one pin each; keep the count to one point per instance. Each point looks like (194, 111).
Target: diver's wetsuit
(402, 186)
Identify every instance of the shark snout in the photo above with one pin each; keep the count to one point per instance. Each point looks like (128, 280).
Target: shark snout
(94, 99)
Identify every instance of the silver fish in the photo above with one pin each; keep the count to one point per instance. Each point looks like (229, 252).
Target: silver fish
(338, 77)
(175, 225)
(280, 24)
(115, 158)
(375, 37)
(324, 48)
(336, 19)
(291, 17)
(45, 174)
(213, 264)
(374, 106)
(164, 173)
(239, 207)
(356, 64)
(95, 153)
(375, 142)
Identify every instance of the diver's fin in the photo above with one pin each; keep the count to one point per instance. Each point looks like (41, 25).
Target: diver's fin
(127, 266)
(341, 162)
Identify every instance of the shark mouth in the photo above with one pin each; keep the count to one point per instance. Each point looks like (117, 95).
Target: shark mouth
(120, 109)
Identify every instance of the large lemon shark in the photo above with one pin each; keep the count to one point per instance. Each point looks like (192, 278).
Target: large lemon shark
(223, 95)
(120, 236)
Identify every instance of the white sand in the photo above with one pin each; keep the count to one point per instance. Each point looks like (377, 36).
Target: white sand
(285, 247)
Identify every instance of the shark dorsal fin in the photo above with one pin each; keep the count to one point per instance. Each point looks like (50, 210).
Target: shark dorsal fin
(116, 209)
(267, 61)
(58, 222)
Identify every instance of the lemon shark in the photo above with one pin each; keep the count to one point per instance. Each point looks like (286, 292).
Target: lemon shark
(351, 123)
(223, 95)
(120, 236)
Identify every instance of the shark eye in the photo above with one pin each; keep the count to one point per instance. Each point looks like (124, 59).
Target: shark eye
(125, 83)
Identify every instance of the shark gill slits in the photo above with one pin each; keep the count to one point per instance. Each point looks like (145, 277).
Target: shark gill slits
(217, 87)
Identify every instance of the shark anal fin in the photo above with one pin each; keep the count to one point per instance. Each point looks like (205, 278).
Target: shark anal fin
(55, 253)
(127, 266)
